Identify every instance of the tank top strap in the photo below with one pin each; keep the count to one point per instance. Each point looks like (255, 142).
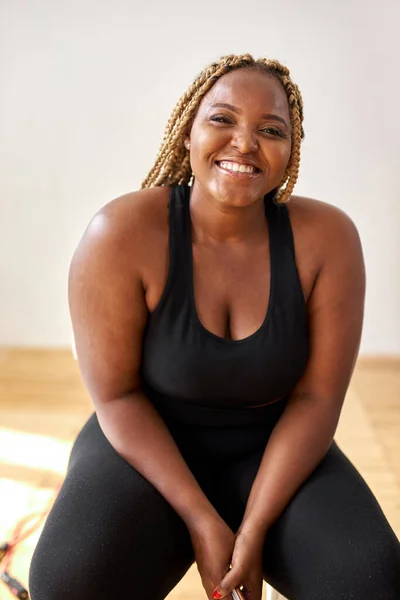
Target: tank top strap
(180, 237)
(283, 257)
(177, 202)
(280, 226)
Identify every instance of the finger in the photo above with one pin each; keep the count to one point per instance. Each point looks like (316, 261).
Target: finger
(253, 591)
(231, 581)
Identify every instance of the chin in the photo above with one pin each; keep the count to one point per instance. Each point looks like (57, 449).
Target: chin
(237, 195)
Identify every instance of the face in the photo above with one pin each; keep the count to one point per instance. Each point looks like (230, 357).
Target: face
(240, 140)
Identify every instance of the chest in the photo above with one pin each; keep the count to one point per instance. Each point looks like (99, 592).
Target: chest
(227, 325)
(231, 287)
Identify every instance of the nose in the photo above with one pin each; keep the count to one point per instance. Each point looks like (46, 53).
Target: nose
(245, 140)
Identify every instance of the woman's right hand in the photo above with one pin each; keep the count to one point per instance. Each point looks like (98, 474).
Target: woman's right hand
(213, 544)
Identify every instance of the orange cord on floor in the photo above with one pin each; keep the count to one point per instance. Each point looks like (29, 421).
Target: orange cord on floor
(18, 536)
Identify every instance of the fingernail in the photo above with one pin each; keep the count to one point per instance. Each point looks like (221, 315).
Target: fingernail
(217, 595)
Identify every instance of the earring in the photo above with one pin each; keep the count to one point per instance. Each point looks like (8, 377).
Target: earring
(187, 145)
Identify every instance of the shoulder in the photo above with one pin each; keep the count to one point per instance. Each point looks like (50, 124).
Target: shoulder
(310, 213)
(136, 212)
(127, 226)
(322, 227)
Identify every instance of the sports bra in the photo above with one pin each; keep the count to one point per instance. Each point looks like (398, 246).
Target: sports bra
(184, 361)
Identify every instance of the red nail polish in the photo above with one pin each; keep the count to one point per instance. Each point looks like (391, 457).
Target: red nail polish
(217, 595)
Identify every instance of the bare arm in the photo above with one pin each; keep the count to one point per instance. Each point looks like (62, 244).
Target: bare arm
(305, 431)
(109, 314)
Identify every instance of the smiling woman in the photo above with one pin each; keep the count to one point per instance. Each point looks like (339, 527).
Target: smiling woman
(229, 134)
(217, 319)
(216, 98)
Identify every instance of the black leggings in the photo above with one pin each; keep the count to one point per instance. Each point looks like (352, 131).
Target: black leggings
(111, 535)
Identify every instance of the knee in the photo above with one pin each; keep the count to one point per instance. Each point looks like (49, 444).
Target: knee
(48, 577)
(373, 573)
(43, 583)
(59, 573)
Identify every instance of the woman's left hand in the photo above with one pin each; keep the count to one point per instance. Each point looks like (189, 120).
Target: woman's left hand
(246, 568)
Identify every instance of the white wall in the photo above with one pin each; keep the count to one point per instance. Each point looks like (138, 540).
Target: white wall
(86, 88)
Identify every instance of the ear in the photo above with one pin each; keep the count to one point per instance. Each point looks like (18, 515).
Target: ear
(188, 131)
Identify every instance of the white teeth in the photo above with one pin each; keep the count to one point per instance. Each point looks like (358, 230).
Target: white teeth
(236, 167)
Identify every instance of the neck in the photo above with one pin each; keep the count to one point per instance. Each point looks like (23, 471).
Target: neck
(216, 222)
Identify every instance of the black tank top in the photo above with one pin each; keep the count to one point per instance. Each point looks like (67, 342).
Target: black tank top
(184, 361)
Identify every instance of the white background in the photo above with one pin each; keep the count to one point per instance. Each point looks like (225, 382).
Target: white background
(86, 88)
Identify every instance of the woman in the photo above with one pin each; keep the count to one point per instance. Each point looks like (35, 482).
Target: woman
(217, 326)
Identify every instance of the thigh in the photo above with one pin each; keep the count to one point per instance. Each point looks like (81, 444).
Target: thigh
(109, 532)
(333, 540)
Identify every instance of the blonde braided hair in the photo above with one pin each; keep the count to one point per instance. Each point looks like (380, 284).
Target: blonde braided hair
(172, 165)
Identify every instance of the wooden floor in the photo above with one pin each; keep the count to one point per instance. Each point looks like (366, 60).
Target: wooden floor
(43, 405)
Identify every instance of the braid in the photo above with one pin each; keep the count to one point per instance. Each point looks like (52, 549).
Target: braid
(172, 165)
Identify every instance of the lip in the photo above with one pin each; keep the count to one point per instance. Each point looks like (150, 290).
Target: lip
(238, 174)
(239, 161)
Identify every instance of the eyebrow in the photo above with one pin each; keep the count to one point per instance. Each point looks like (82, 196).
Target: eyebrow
(239, 111)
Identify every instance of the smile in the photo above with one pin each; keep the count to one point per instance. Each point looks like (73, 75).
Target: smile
(237, 169)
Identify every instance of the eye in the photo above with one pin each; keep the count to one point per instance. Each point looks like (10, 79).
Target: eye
(220, 119)
(274, 131)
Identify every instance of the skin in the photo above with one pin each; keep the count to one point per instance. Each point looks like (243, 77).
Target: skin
(109, 309)
(240, 133)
